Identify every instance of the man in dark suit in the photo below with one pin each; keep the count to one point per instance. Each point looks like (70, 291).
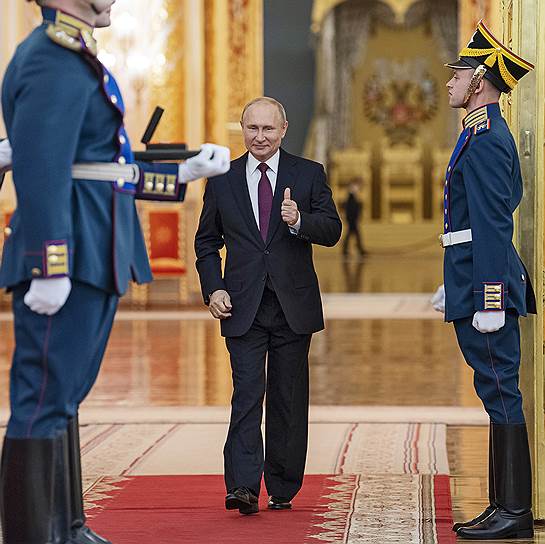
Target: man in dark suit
(267, 212)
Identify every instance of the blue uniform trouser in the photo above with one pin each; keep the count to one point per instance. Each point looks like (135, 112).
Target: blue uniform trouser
(56, 359)
(495, 359)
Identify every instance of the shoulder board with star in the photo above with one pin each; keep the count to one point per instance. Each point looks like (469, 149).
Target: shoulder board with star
(57, 34)
(484, 126)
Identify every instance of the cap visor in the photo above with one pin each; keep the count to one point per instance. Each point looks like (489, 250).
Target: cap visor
(459, 65)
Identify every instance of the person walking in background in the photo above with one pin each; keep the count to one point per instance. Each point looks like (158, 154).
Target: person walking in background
(352, 208)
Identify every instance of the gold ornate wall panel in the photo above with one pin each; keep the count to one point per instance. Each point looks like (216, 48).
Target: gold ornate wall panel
(472, 11)
(216, 80)
(525, 109)
(233, 66)
(245, 61)
(170, 90)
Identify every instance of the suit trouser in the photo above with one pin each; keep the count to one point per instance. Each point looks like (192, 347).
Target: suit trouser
(495, 359)
(286, 422)
(56, 359)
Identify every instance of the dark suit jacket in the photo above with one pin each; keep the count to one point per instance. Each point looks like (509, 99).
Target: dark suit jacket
(227, 220)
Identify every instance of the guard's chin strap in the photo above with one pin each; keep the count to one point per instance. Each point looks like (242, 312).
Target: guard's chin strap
(474, 83)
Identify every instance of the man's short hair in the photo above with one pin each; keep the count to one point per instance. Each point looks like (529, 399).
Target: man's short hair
(266, 100)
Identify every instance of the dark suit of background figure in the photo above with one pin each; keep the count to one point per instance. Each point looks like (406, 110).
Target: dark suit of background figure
(352, 212)
(61, 106)
(276, 307)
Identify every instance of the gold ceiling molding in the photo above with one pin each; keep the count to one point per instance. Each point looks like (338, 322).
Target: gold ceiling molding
(321, 8)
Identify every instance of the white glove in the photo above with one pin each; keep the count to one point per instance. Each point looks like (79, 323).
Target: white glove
(438, 299)
(5, 155)
(213, 160)
(489, 321)
(48, 295)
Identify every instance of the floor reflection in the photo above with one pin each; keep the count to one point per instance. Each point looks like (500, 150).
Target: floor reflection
(367, 362)
(378, 274)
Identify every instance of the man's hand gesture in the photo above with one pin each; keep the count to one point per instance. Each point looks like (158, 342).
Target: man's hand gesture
(220, 304)
(289, 211)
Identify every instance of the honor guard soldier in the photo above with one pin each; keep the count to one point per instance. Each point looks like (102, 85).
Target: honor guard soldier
(72, 247)
(487, 287)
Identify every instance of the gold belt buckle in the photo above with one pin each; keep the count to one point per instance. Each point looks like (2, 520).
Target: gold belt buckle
(441, 241)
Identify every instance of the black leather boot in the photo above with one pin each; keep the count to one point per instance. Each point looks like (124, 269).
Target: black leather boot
(512, 518)
(33, 492)
(81, 533)
(491, 490)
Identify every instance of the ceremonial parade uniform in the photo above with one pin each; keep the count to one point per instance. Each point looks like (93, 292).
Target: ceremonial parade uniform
(484, 273)
(76, 182)
(483, 188)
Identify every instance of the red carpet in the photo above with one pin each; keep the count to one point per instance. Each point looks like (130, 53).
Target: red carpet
(189, 510)
(443, 510)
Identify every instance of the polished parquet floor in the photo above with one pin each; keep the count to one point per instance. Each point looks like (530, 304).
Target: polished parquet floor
(160, 361)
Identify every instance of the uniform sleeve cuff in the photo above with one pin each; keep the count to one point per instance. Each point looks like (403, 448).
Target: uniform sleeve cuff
(491, 298)
(294, 229)
(52, 262)
(160, 182)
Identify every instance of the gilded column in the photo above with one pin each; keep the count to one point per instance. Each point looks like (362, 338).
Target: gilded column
(216, 70)
(169, 90)
(523, 21)
(245, 62)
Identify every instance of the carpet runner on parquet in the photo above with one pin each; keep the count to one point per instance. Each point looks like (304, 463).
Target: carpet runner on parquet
(371, 483)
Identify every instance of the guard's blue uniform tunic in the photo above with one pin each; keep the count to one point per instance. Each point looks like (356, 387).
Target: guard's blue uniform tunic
(483, 188)
(61, 106)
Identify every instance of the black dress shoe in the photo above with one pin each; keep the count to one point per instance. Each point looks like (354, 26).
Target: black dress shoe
(278, 503)
(85, 535)
(501, 525)
(244, 499)
(475, 521)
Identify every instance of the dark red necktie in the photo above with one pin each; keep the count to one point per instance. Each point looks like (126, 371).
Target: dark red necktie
(264, 199)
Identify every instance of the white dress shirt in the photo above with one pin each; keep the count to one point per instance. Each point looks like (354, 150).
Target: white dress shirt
(253, 176)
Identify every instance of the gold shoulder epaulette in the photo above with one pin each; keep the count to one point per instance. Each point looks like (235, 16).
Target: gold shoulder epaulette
(59, 35)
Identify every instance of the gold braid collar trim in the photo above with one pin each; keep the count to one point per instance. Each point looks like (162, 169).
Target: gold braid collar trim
(67, 31)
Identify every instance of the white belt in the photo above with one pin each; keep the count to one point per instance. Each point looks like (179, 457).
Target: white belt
(107, 171)
(454, 238)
